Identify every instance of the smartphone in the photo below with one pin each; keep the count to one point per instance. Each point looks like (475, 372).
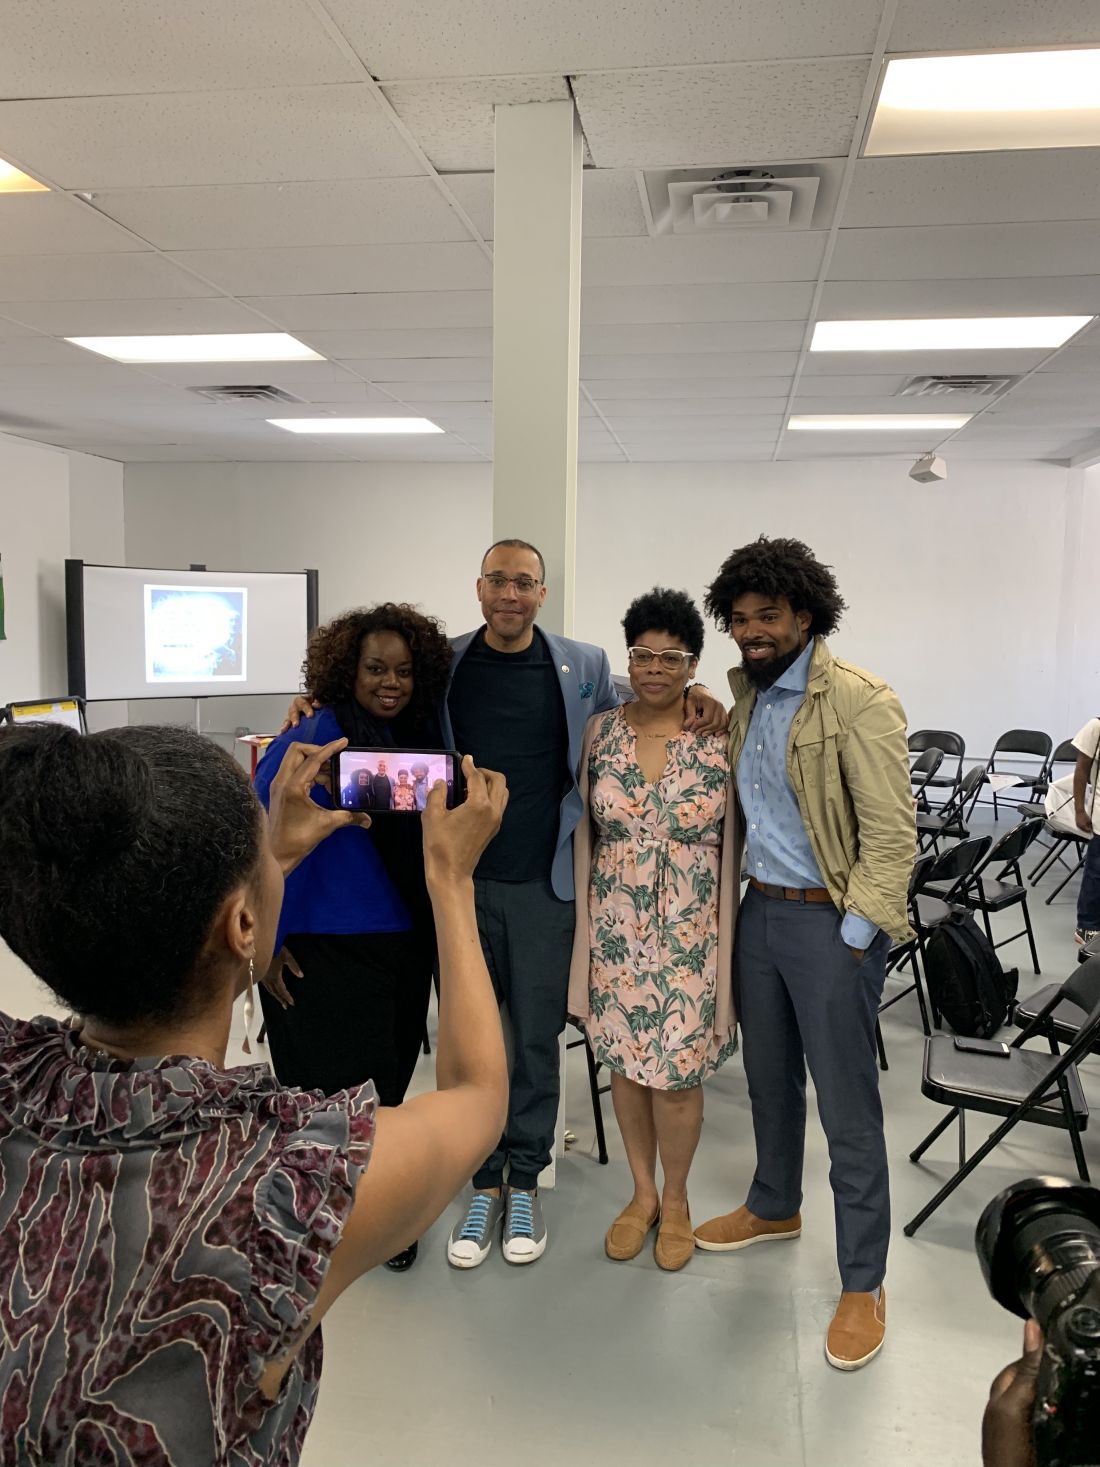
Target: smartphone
(395, 781)
(983, 1046)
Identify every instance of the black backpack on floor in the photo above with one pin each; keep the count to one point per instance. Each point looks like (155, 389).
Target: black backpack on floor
(966, 982)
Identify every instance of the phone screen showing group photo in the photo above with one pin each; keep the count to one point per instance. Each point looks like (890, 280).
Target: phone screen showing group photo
(393, 780)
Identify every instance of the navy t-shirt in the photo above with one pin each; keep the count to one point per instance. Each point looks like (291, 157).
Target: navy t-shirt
(507, 712)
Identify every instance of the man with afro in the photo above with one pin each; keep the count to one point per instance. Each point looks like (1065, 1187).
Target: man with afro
(819, 753)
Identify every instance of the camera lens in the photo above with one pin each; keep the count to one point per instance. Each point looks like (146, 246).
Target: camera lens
(1038, 1243)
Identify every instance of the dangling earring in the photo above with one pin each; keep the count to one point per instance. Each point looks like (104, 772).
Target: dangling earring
(249, 1005)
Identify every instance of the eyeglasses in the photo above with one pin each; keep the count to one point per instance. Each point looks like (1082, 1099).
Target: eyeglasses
(670, 660)
(525, 585)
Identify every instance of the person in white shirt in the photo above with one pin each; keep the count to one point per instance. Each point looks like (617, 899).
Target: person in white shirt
(1086, 813)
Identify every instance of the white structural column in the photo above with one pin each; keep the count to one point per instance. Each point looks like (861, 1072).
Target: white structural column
(536, 338)
(536, 357)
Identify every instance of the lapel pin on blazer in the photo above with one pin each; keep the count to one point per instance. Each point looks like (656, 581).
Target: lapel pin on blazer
(565, 667)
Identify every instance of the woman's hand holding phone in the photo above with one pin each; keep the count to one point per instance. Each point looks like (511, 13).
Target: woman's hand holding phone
(455, 839)
(297, 823)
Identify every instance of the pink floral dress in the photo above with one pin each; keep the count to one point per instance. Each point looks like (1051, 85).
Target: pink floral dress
(653, 908)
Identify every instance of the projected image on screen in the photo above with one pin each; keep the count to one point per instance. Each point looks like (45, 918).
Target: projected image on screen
(196, 634)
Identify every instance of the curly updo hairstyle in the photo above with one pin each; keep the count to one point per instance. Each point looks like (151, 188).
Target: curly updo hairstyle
(660, 610)
(332, 658)
(777, 568)
(116, 851)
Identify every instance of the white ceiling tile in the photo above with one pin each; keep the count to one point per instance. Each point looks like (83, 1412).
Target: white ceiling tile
(919, 363)
(1067, 295)
(679, 390)
(945, 25)
(671, 364)
(1063, 387)
(695, 337)
(622, 305)
(611, 207)
(410, 267)
(370, 311)
(424, 369)
(337, 395)
(731, 259)
(1076, 359)
(93, 277)
(54, 223)
(345, 345)
(420, 38)
(134, 317)
(682, 411)
(975, 188)
(424, 392)
(758, 425)
(981, 251)
(251, 216)
(698, 453)
(155, 141)
(453, 120)
(867, 385)
(601, 454)
(96, 47)
(1013, 413)
(40, 351)
(282, 374)
(721, 114)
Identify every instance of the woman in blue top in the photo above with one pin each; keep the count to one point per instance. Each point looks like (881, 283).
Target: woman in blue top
(356, 921)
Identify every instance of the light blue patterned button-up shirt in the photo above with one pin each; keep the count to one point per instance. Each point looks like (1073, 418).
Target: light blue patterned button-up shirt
(778, 849)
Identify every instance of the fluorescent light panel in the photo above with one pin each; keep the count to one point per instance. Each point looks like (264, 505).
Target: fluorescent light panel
(14, 181)
(961, 333)
(244, 346)
(876, 422)
(993, 101)
(314, 426)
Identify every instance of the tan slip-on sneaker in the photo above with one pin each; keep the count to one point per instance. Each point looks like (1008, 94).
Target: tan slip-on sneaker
(675, 1242)
(627, 1233)
(858, 1330)
(742, 1228)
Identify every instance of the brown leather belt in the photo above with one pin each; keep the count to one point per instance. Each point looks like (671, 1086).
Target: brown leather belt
(792, 893)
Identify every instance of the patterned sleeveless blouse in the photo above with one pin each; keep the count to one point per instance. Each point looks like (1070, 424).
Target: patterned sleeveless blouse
(165, 1227)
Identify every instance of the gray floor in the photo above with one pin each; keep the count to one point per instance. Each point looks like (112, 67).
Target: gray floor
(577, 1359)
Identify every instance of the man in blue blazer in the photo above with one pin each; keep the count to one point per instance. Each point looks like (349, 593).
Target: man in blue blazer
(518, 701)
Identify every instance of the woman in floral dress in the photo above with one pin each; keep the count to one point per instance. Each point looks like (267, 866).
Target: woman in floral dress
(652, 974)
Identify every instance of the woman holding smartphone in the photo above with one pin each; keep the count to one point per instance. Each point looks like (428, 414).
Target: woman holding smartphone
(356, 923)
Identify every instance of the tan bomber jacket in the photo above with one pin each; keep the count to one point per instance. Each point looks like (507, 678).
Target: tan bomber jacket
(847, 760)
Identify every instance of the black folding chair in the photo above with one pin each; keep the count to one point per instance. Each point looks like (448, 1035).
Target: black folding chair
(982, 892)
(948, 874)
(949, 822)
(922, 772)
(953, 746)
(1020, 743)
(909, 952)
(596, 1090)
(1020, 1084)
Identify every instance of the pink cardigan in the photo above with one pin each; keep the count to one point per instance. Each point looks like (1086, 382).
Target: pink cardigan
(729, 891)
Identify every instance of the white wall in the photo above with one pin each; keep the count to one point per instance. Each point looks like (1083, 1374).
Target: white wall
(53, 505)
(961, 594)
(403, 532)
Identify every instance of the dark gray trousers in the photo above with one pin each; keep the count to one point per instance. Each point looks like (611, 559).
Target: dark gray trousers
(527, 938)
(802, 998)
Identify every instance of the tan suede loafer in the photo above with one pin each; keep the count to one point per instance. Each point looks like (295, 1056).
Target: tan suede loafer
(742, 1228)
(675, 1242)
(627, 1233)
(858, 1330)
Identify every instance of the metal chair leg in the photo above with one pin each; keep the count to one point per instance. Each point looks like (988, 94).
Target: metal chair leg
(597, 1107)
(934, 1134)
(882, 1061)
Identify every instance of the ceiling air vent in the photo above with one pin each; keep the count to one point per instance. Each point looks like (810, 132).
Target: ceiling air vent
(702, 200)
(245, 392)
(962, 384)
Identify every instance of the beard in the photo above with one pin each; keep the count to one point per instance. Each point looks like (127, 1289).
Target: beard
(763, 675)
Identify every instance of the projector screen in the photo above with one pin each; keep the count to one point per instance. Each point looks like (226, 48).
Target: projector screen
(185, 634)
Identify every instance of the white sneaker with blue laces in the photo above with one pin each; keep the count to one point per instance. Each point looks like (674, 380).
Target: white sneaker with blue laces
(524, 1228)
(473, 1234)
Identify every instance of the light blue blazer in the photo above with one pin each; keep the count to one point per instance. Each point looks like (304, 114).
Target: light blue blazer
(584, 675)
